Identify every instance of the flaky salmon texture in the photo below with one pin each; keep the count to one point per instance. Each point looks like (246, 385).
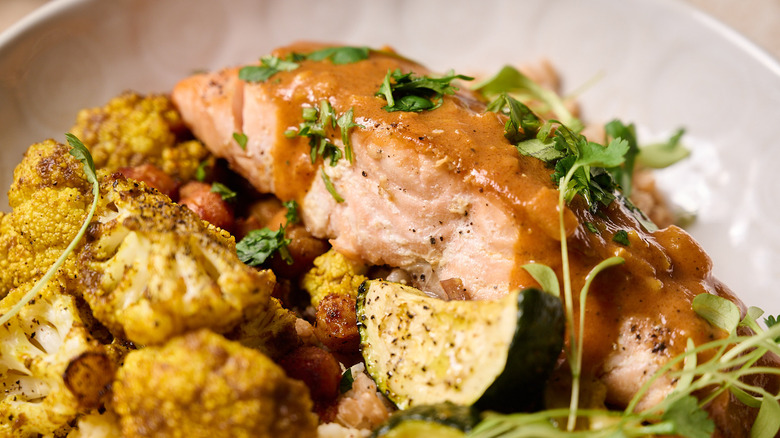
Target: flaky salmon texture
(443, 195)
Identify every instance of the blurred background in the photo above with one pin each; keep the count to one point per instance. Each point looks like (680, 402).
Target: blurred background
(756, 19)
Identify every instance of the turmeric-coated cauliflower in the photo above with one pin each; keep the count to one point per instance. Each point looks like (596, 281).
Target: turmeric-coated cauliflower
(132, 129)
(202, 385)
(50, 197)
(50, 368)
(153, 269)
(333, 273)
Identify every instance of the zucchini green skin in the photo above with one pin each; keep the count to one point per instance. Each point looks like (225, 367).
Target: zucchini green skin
(535, 348)
(495, 355)
(433, 421)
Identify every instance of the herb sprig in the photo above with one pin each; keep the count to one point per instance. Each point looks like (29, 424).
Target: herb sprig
(271, 65)
(409, 92)
(317, 121)
(81, 153)
(258, 245)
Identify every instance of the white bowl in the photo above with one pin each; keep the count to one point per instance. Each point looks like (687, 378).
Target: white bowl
(659, 63)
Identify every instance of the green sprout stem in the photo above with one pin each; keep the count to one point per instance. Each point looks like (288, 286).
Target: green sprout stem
(41, 283)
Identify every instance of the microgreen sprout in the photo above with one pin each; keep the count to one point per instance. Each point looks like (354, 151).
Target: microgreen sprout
(82, 154)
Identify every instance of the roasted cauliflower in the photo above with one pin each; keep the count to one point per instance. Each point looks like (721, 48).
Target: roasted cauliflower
(202, 385)
(50, 368)
(131, 130)
(50, 197)
(333, 273)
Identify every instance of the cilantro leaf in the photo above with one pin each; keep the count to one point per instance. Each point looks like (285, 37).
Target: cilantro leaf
(522, 124)
(624, 174)
(346, 381)
(241, 139)
(511, 81)
(688, 419)
(292, 212)
(621, 237)
(340, 55)
(224, 191)
(412, 93)
(200, 172)
(317, 121)
(346, 122)
(258, 245)
(331, 188)
(269, 66)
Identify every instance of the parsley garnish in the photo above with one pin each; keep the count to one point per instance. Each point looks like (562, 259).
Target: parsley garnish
(512, 82)
(258, 245)
(317, 121)
(200, 172)
(241, 139)
(346, 381)
(291, 216)
(81, 153)
(331, 188)
(621, 237)
(269, 66)
(408, 92)
(340, 55)
(223, 191)
(624, 174)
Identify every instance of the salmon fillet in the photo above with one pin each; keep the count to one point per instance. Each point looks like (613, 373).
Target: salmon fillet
(443, 195)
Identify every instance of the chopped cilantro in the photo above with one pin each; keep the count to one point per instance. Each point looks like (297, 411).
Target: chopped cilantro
(592, 227)
(412, 93)
(241, 139)
(624, 174)
(522, 124)
(340, 55)
(269, 66)
(621, 237)
(224, 191)
(331, 188)
(200, 172)
(512, 82)
(292, 212)
(258, 245)
(316, 123)
(346, 381)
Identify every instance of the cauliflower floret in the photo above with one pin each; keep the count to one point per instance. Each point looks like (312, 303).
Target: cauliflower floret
(270, 330)
(333, 273)
(97, 425)
(50, 368)
(34, 235)
(202, 385)
(132, 129)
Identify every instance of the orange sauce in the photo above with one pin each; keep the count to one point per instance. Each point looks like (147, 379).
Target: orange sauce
(664, 270)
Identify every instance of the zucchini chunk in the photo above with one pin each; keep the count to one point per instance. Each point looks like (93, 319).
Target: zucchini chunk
(494, 354)
(443, 420)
